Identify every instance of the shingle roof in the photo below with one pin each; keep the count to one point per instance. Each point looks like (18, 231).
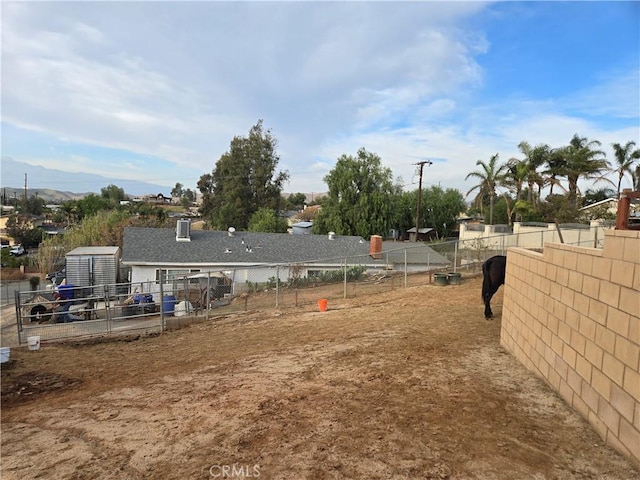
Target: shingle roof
(412, 253)
(159, 246)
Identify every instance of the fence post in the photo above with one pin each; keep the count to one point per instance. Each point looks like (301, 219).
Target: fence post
(345, 279)
(16, 294)
(277, 285)
(406, 277)
(207, 297)
(162, 318)
(455, 257)
(107, 308)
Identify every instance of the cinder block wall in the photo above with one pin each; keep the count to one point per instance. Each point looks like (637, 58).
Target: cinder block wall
(572, 316)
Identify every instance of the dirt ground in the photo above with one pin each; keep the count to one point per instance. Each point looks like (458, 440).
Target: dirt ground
(411, 383)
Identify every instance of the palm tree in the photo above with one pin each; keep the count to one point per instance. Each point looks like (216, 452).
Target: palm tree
(626, 157)
(535, 158)
(581, 159)
(515, 175)
(555, 168)
(490, 177)
(592, 196)
(538, 157)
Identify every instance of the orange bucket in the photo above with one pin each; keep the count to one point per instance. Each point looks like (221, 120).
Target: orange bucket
(322, 304)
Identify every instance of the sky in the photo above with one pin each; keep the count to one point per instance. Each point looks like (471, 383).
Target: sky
(156, 91)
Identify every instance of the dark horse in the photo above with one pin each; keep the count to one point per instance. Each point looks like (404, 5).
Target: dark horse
(493, 271)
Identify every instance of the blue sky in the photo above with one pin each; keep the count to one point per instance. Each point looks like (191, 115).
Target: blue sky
(156, 91)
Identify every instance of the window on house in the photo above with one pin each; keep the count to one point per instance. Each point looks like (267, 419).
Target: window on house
(176, 274)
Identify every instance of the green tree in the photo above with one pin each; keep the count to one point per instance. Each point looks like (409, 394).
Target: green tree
(267, 220)
(21, 229)
(515, 176)
(441, 209)
(592, 196)
(503, 209)
(113, 194)
(491, 176)
(92, 204)
(297, 200)
(625, 159)
(581, 159)
(189, 195)
(33, 205)
(243, 181)
(362, 197)
(554, 169)
(535, 159)
(177, 191)
(560, 208)
(70, 210)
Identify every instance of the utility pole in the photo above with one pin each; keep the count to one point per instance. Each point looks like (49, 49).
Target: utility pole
(25, 187)
(421, 165)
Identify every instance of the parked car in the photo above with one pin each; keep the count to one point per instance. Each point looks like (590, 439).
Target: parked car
(17, 250)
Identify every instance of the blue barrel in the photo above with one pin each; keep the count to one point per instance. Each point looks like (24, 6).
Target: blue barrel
(66, 291)
(168, 304)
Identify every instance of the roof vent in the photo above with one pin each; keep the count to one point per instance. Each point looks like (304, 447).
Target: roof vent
(183, 231)
(332, 235)
(231, 231)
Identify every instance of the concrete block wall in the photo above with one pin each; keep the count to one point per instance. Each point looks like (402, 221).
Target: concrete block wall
(572, 316)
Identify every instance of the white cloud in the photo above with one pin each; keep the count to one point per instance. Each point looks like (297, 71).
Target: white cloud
(617, 95)
(177, 81)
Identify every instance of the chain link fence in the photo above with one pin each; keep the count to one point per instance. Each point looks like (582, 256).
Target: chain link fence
(172, 299)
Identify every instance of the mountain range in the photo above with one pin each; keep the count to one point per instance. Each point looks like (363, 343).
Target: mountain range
(51, 184)
(54, 185)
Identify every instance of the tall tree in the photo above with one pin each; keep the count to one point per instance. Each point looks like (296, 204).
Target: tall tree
(33, 205)
(243, 181)
(113, 193)
(537, 158)
(177, 190)
(625, 159)
(529, 169)
(515, 175)
(554, 169)
(267, 220)
(297, 200)
(362, 197)
(441, 209)
(582, 160)
(491, 176)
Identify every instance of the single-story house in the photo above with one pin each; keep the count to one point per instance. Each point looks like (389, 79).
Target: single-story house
(152, 254)
(155, 253)
(610, 205)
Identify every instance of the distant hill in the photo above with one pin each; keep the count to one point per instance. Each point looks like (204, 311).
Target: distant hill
(47, 183)
(47, 194)
(42, 179)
